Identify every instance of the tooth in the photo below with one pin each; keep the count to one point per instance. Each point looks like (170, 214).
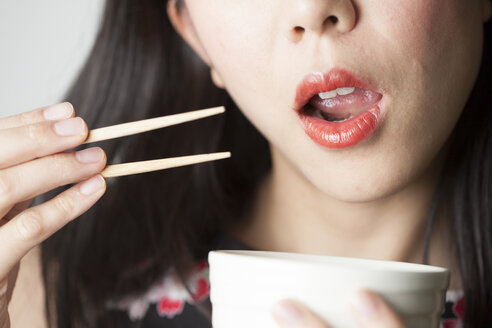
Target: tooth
(345, 91)
(327, 95)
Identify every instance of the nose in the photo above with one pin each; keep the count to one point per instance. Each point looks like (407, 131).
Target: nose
(321, 16)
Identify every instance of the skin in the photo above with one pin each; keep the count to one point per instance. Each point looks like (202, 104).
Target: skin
(30, 143)
(369, 200)
(424, 55)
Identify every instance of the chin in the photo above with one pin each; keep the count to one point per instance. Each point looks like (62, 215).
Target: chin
(352, 188)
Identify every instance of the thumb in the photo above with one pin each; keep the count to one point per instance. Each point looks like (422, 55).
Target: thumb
(371, 311)
(292, 314)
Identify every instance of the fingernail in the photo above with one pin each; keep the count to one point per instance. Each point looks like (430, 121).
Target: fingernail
(58, 112)
(89, 156)
(92, 185)
(287, 313)
(70, 127)
(365, 304)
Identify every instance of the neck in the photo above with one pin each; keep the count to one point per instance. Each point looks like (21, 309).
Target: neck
(291, 215)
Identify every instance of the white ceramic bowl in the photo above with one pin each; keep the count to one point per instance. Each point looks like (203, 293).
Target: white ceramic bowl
(246, 284)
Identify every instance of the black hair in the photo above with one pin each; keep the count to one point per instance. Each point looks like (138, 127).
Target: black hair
(146, 224)
(464, 194)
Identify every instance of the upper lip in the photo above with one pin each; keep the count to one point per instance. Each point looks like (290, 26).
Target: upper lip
(317, 82)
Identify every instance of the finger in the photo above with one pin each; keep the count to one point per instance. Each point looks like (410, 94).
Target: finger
(370, 311)
(22, 182)
(35, 224)
(48, 113)
(21, 144)
(292, 314)
(14, 212)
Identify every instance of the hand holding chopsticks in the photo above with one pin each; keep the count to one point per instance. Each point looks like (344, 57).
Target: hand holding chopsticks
(35, 158)
(126, 129)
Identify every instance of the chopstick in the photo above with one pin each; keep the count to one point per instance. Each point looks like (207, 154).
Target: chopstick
(118, 170)
(126, 129)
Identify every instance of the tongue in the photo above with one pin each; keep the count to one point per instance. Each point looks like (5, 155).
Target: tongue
(340, 108)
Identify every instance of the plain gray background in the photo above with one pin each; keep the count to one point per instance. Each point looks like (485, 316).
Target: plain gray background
(43, 46)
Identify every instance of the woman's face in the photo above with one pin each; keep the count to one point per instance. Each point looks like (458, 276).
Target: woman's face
(422, 56)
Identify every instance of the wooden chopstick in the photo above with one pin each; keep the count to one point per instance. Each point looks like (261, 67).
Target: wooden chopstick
(126, 129)
(159, 164)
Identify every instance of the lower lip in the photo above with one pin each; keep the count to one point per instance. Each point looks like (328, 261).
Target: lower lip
(342, 134)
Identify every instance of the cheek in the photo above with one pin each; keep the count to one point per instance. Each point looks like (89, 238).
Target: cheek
(234, 34)
(436, 46)
(434, 36)
(410, 27)
(241, 42)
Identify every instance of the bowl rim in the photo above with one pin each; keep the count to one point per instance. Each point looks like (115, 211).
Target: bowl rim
(328, 261)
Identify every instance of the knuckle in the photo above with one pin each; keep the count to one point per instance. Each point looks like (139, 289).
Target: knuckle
(24, 118)
(37, 133)
(29, 225)
(61, 165)
(64, 205)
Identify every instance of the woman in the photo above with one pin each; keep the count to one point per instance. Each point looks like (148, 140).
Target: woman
(377, 122)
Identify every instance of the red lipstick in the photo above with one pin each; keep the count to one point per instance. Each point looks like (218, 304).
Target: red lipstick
(336, 109)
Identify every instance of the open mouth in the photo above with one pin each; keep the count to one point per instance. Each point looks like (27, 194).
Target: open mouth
(336, 110)
(340, 104)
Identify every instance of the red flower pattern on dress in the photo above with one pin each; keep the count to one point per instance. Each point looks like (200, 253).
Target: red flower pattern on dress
(169, 308)
(451, 323)
(459, 308)
(200, 287)
(203, 289)
(169, 295)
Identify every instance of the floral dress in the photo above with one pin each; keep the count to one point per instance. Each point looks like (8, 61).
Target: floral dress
(169, 303)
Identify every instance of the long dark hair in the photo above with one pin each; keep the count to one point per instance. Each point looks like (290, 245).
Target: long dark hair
(146, 224)
(465, 194)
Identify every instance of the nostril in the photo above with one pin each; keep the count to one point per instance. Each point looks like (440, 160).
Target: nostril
(299, 29)
(297, 34)
(333, 19)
